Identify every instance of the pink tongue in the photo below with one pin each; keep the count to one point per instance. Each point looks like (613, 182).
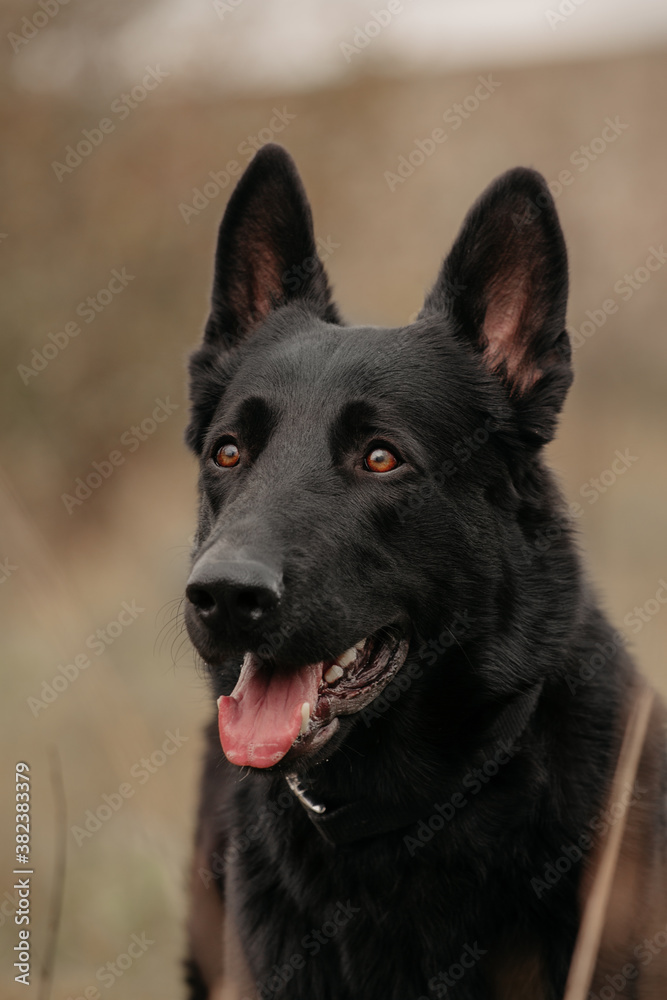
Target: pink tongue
(261, 718)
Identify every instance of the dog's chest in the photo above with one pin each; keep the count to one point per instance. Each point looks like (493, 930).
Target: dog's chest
(341, 925)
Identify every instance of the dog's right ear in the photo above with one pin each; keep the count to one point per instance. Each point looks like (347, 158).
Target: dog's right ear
(266, 254)
(266, 257)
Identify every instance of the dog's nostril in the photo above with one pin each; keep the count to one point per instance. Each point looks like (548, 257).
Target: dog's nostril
(202, 599)
(248, 602)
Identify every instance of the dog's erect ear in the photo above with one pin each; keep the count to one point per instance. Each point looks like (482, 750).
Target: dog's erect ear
(266, 254)
(504, 289)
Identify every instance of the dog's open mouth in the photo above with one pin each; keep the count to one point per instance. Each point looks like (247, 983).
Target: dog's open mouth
(270, 713)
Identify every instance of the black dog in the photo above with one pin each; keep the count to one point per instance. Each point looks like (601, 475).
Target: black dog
(420, 703)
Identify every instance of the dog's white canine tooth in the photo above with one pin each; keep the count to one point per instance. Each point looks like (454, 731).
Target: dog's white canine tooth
(218, 702)
(360, 645)
(305, 717)
(348, 657)
(333, 673)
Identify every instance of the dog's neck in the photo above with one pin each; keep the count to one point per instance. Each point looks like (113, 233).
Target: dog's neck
(364, 818)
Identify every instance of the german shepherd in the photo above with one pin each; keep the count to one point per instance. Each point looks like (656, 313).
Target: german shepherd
(420, 702)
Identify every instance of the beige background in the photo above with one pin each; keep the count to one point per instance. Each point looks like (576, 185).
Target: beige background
(129, 540)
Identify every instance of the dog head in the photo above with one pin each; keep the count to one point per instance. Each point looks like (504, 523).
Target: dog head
(366, 492)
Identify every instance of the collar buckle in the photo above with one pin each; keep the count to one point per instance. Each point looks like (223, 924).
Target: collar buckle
(297, 789)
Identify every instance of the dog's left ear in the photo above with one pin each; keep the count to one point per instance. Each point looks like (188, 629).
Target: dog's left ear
(504, 289)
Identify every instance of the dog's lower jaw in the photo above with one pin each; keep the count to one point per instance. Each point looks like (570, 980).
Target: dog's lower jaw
(343, 697)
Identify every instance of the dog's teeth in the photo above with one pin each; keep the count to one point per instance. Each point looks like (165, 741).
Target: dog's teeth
(218, 702)
(360, 645)
(333, 673)
(348, 657)
(305, 717)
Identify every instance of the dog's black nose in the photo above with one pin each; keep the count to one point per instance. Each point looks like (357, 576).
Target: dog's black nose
(239, 594)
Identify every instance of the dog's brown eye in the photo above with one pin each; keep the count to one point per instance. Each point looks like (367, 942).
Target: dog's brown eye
(380, 460)
(227, 455)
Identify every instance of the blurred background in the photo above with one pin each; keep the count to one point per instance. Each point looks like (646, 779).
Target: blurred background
(119, 123)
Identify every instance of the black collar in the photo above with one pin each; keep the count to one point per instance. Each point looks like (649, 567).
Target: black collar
(363, 819)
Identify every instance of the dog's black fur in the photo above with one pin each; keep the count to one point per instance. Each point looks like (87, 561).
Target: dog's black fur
(466, 550)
